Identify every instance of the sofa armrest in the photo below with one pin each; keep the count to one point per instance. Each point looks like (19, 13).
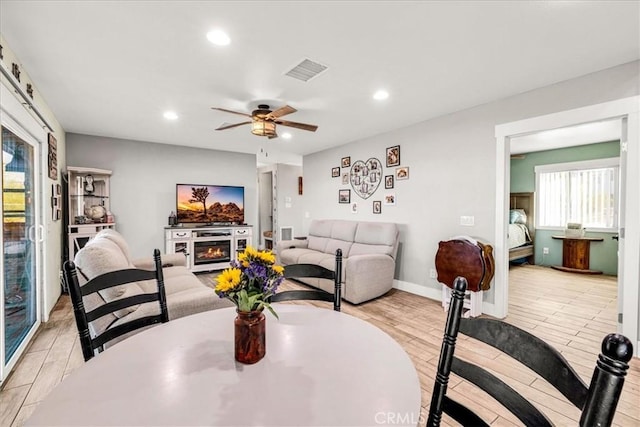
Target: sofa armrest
(368, 276)
(286, 244)
(168, 260)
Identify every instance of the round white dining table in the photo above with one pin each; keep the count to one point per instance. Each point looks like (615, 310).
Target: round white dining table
(322, 368)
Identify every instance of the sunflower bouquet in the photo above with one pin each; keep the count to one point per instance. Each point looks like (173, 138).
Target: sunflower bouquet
(252, 279)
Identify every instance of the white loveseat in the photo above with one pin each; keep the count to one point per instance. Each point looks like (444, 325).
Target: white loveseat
(108, 251)
(368, 249)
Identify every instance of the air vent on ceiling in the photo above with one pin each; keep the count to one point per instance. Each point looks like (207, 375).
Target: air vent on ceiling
(306, 70)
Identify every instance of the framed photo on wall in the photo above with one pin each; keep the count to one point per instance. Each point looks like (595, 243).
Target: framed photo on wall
(377, 206)
(346, 162)
(402, 173)
(393, 156)
(335, 172)
(388, 181)
(390, 199)
(52, 157)
(344, 196)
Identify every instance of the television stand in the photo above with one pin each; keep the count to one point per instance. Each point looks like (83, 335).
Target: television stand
(208, 247)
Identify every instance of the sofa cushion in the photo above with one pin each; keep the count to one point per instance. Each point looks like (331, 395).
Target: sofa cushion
(313, 257)
(116, 238)
(321, 228)
(291, 256)
(344, 230)
(317, 243)
(333, 245)
(376, 233)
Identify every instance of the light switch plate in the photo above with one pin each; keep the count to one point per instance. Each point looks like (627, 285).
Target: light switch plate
(467, 220)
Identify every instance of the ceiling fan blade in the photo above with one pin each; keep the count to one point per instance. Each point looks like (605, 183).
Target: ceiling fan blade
(303, 126)
(283, 111)
(223, 127)
(230, 111)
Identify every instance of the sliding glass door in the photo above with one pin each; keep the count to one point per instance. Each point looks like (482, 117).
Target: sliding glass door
(21, 235)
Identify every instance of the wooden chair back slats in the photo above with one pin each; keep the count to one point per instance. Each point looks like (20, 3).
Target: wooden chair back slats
(461, 413)
(293, 271)
(532, 352)
(91, 343)
(597, 403)
(116, 278)
(116, 305)
(498, 389)
(308, 270)
(125, 328)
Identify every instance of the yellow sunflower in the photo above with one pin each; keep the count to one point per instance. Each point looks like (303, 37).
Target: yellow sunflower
(267, 257)
(228, 280)
(278, 269)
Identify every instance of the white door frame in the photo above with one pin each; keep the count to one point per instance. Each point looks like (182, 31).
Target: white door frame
(16, 118)
(628, 108)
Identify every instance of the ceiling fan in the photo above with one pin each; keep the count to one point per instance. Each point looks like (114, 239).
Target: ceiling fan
(263, 120)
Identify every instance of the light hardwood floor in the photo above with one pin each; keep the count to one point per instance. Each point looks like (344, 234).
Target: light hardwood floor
(572, 312)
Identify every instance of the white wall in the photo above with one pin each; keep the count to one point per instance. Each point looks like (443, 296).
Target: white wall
(289, 205)
(452, 161)
(143, 184)
(12, 106)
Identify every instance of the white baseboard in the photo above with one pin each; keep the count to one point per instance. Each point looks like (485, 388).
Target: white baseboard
(414, 288)
(436, 294)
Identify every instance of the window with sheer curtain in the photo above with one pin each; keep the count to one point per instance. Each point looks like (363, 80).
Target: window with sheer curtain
(581, 192)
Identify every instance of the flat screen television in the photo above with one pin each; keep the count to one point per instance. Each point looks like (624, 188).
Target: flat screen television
(209, 204)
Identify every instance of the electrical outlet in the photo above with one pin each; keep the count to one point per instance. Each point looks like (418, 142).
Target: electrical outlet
(545, 251)
(432, 273)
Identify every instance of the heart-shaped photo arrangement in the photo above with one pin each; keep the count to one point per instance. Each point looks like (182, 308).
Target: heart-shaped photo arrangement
(365, 177)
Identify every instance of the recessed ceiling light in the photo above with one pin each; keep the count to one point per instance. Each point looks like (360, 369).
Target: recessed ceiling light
(286, 135)
(381, 95)
(170, 115)
(218, 37)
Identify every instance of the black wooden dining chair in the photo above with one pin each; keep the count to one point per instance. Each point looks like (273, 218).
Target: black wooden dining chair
(96, 341)
(294, 271)
(597, 402)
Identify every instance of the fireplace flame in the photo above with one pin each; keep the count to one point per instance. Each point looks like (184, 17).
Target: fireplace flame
(214, 253)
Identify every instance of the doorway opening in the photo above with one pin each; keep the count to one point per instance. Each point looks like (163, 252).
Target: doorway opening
(629, 244)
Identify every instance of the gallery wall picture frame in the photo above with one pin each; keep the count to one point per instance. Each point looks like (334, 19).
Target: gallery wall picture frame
(390, 199)
(366, 177)
(388, 181)
(377, 207)
(354, 208)
(393, 156)
(402, 173)
(344, 196)
(335, 172)
(56, 202)
(346, 162)
(345, 178)
(52, 156)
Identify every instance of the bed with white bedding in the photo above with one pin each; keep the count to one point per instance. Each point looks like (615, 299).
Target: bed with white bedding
(521, 231)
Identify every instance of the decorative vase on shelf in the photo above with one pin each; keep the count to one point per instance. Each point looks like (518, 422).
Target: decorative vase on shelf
(250, 339)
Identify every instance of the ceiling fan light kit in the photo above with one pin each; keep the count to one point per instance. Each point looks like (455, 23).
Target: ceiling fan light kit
(263, 120)
(263, 128)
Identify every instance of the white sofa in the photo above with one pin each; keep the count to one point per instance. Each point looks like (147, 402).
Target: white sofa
(108, 251)
(368, 249)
